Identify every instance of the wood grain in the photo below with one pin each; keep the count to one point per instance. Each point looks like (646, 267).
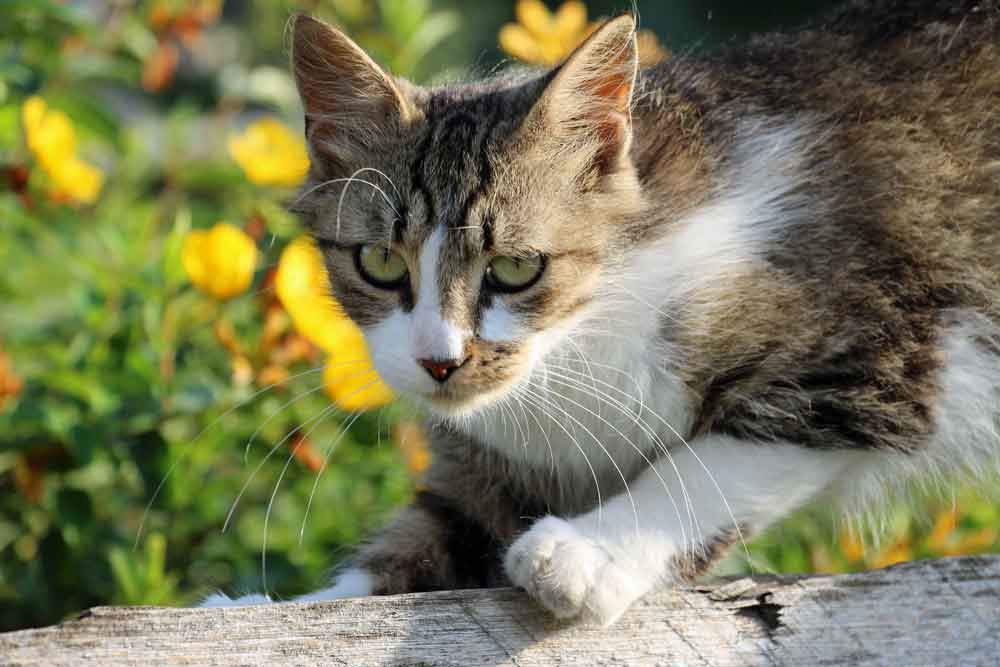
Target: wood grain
(943, 612)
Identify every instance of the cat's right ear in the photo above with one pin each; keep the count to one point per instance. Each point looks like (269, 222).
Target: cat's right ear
(349, 101)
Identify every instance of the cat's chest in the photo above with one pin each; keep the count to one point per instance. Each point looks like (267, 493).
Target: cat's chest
(596, 412)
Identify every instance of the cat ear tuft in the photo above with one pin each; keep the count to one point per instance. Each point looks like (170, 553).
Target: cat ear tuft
(590, 97)
(347, 97)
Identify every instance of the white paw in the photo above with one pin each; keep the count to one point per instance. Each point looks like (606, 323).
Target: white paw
(352, 583)
(221, 600)
(571, 574)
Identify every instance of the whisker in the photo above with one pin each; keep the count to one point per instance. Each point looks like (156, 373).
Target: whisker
(326, 460)
(695, 525)
(351, 179)
(385, 176)
(267, 457)
(344, 428)
(631, 443)
(597, 441)
(579, 385)
(593, 473)
(270, 453)
(701, 463)
(636, 416)
(541, 429)
(517, 422)
(270, 503)
(190, 444)
(275, 413)
(583, 357)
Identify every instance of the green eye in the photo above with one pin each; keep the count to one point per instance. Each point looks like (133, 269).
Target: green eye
(513, 274)
(380, 265)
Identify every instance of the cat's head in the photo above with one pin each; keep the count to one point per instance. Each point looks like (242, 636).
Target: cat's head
(467, 228)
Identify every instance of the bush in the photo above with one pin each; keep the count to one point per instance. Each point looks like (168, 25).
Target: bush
(152, 374)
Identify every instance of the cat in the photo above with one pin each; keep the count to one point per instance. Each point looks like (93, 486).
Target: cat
(652, 312)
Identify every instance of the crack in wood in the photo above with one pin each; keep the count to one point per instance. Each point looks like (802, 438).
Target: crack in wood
(766, 612)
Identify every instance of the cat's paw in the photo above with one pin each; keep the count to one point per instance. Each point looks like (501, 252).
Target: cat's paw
(221, 600)
(353, 583)
(571, 574)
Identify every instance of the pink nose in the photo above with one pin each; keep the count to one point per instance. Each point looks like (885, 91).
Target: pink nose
(441, 369)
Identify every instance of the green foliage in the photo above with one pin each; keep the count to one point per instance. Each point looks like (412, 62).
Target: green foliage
(125, 384)
(142, 578)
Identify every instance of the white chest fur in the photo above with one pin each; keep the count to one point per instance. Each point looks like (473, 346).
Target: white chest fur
(597, 406)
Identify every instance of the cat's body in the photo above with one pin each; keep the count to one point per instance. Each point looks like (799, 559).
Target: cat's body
(777, 280)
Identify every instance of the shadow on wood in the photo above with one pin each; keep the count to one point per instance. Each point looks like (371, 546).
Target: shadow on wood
(942, 612)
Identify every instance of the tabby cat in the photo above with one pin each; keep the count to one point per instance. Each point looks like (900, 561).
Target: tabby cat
(651, 312)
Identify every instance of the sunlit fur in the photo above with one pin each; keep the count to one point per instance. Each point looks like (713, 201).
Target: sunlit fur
(771, 279)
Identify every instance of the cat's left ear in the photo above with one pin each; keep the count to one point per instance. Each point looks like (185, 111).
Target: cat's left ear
(588, 102)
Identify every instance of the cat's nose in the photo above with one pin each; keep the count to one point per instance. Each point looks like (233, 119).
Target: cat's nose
(441, 369)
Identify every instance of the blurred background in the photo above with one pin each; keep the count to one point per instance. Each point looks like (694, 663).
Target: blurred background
(167, 426)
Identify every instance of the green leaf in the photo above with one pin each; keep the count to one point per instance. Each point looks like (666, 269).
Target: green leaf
(126, 574)
(80, 385)
(137, 38)
(431, 32)
(10, 127)
(280, 222)
(88, 114)
(74, 507)
(51, 14)
(173, 247)
(401, 17)
(156, 560)
(82, 440)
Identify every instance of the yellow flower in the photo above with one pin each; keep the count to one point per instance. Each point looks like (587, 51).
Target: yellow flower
(270, 154)
(898, 552)
(851, 546)
(52, 139)
(946, 539)
(973, 542)
(650, 49)
(544, 38)
(50, 134)
(412, 442)
(351, 381)
(943, 533)
(76, 180)
(10, 383)
(302, 287)
(220, 261)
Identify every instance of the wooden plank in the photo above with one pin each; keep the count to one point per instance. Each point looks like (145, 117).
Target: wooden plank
(944, 612)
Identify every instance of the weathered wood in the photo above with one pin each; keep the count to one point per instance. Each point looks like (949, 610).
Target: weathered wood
(944, 612)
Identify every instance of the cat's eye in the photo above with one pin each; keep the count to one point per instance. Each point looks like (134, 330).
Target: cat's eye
(513, 274)
(380, 265)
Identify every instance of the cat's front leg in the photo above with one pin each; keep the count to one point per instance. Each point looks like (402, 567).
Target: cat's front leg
(222, 600)
(434, 543)
(451, 536)
(678, 517)
(351, 583)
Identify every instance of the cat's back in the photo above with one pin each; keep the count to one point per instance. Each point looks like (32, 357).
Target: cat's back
(887, 57)
(843, 182)
(898, 106)
(909, 92)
